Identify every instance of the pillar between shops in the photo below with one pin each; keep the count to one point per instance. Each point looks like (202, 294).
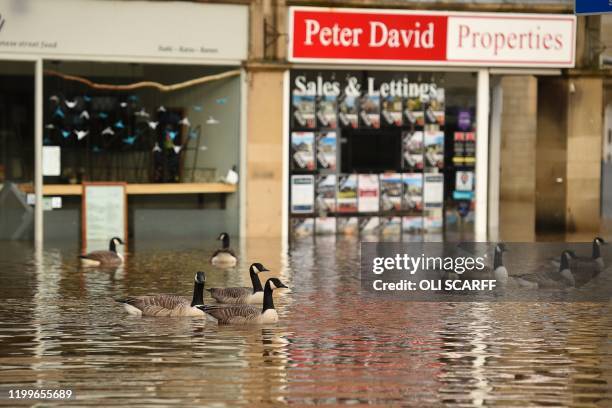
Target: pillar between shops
(568, 154)
(584, 133)
(264, 152)
(518, 164)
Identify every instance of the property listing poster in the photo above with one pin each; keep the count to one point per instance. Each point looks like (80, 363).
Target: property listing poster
(464, 153)
(303, 106)
(347, 194)
(414, 148)
(391, 191)
(368, 193)
(302, 151)
(369, 115)
(348, 111)
(302, 194)
(326, 111)
(392, 106)
(434, 107)
(464, 185)
(434, 149)
(327, 150)
(326, 193)
(413, 192)
(459, 148)
(414, 112)
(433, 190)
(470, 148)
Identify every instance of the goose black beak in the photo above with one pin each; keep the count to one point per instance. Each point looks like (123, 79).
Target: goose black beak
(282, 285)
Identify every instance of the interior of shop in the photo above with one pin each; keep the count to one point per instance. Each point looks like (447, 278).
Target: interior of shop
(382, 153)
(103, 123)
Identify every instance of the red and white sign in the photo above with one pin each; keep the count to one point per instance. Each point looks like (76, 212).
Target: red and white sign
(431, 38)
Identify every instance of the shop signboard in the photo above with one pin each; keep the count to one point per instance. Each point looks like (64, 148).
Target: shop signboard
(404, 37)
(125, 30)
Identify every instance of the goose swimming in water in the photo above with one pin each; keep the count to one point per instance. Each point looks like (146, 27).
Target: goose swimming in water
(560, 279)
(596, 256)
(247, 314)
(104, 258)
(242, 295)
(168, 305)
(224, 257)
(587, 268)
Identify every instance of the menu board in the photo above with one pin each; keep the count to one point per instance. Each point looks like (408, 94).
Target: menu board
(104, 214)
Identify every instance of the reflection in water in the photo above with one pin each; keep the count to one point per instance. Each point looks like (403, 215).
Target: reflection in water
(61, 328)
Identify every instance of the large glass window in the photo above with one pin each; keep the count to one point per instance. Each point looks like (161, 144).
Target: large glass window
(381, 153)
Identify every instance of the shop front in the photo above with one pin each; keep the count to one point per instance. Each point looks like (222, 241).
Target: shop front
(391, 129)
(159, 109)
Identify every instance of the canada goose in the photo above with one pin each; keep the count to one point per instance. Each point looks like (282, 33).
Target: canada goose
(104, 258)
(596, 260)
(498, 271)
(242, 295)
(563, 278)
(224, 257)
(596, 257)
(585, 268)
(168, 305)
(247, 314)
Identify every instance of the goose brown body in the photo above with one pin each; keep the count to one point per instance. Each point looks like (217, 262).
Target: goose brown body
(166, 305)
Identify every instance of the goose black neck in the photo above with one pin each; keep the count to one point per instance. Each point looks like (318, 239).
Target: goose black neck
(596, 250)
(198, 294)
(226, 242)
(255, 281)
(268, 302)
(497, 260)
(111, 246)
(564, 263)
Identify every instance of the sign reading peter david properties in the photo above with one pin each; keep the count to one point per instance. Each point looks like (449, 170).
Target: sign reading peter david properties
(431, 38)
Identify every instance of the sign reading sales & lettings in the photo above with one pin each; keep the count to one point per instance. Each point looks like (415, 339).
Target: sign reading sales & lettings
(431, 38)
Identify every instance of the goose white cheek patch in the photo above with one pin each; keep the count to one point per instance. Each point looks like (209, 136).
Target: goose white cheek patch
(468, 271)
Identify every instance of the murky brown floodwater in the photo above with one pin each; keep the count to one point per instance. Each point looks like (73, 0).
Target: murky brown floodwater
(60, 328)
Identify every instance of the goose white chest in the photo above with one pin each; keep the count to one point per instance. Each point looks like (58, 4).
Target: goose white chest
(269, 316)
(224, 258)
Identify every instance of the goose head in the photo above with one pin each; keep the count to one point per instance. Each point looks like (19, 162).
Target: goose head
(501, 247)
(564, 267)
(112, 246)
(597, 243)
(275, 283)
(257, 268)
(224, 237)
(200, 277)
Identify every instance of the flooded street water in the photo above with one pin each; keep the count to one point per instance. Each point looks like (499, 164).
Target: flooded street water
(61, 329)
